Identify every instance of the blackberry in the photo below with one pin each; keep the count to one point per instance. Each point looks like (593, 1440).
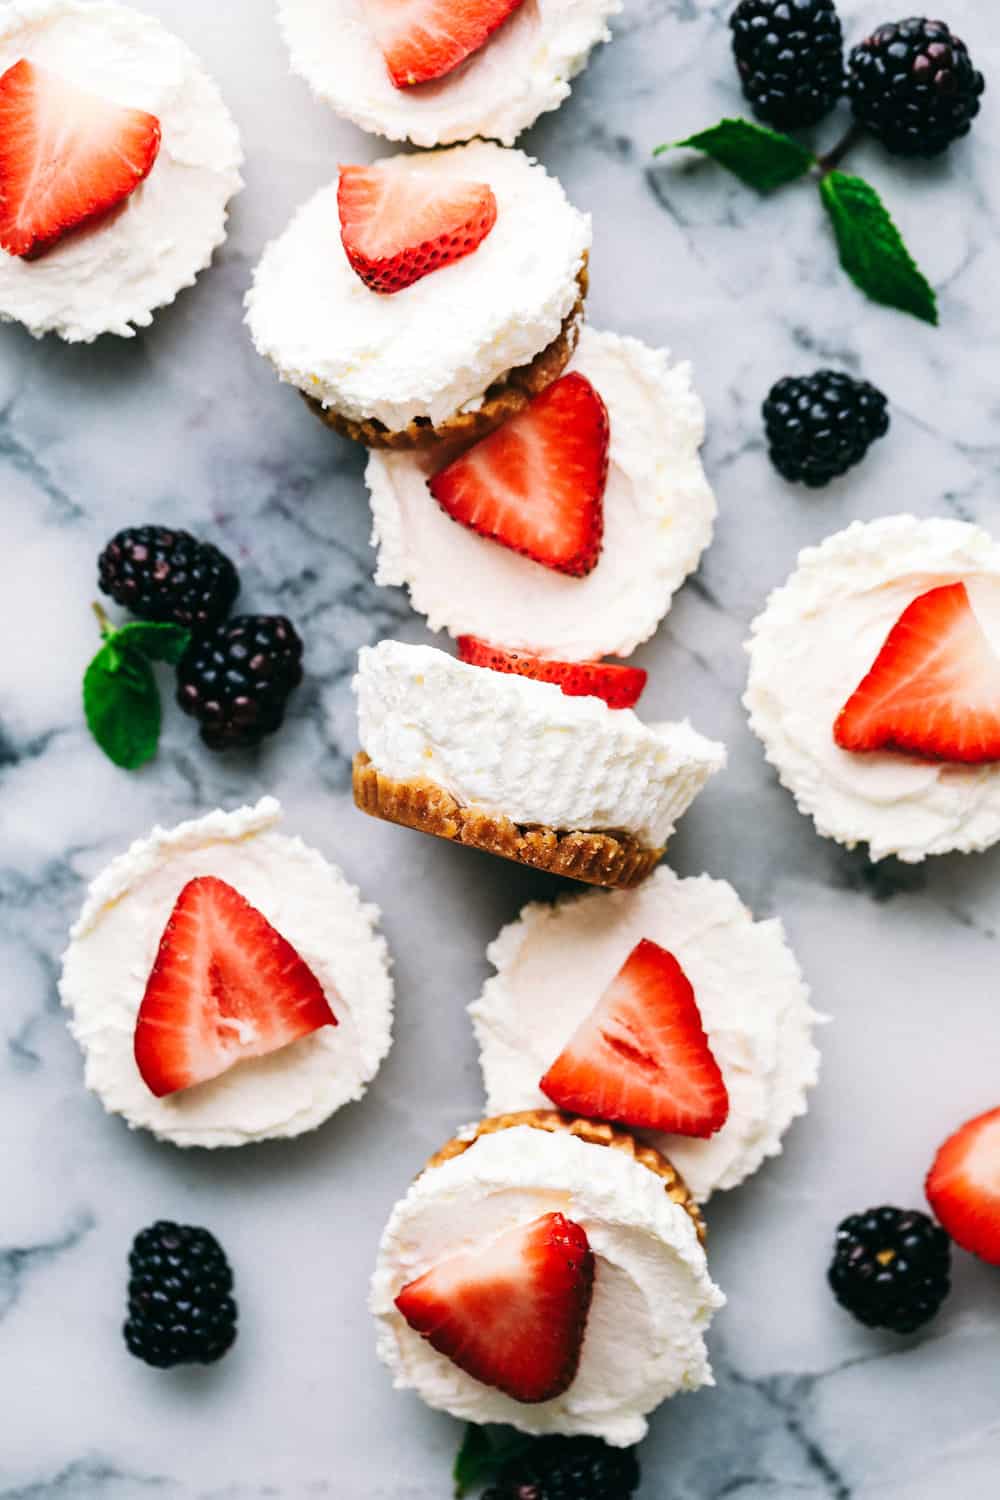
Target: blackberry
(161, 574)
(913, 85)
(789, 54)
(180, 1305)
(560, 1468)
(235, 679)
(890, 1268)
(819, 425)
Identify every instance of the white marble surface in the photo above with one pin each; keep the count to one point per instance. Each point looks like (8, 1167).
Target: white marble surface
(185, 424)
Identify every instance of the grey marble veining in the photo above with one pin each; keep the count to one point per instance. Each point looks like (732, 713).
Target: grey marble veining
(186, 424)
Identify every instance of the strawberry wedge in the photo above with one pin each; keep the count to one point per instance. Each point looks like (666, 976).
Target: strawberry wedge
(511, 1312)
(426, 39)
(398, 225)
(620, 687)
(934, 689)
(225, 987)
(963, 1186)
(536, 484)
(642, 1057)
(67, 156)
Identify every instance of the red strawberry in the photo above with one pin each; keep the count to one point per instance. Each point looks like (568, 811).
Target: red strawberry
(398, 225)
(642, 1057)
(512, 1312)
(536, 484)
(963, 1186)
(225, 987)
(425, 39)
(620, 687)
(934, 689)
(66, 156)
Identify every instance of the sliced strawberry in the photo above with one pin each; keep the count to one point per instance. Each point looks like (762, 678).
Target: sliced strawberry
(512, 1312)
(398, 225)
(225, 986)
(66, 156)
(934, 689)
(536, 484)
(620, 687)
(642, 1057)
(425, 39)
(963, 1186)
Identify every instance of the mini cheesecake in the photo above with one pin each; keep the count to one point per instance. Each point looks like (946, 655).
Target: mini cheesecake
(118, 159)
(404, 317)
(875, 686)
(658, 512)
(226, 984)
(492, 68)
(718, 1010)
(518, 767)
(593, 1248)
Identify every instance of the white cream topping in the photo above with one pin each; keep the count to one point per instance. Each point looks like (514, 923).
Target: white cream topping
(524, 69)
(658, 517)
(114, 942)
(436, 346)
(555, 962)
(814, 644)
(109, 278)
(653, 1297)
(525, 749)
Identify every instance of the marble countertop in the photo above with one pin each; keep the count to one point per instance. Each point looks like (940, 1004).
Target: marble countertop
(185, 424)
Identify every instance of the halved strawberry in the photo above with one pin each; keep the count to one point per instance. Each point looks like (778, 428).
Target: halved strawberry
(398, 225)
(66, 156)
(620, 687)
(963, 1186)
(425, 39)
(934, 689)
(511, 1312)
(642, 1057)
(536, 484)
(225, 986)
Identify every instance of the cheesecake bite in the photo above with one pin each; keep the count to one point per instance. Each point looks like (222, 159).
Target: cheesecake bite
(226, 984)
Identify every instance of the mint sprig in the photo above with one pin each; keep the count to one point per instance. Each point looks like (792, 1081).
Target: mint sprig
(870, 246)
(480, 1458)
(761, 158)
(121, 701)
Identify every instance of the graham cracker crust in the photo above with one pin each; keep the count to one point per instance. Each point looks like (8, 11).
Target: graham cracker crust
(502, 400)
(615, 860)
(594, 1134)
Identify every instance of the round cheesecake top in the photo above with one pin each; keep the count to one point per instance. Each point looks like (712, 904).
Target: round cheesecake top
(653, 1297)
(435, 347)
(658, 516)
(814, 644)
(109, 277)
(523, 70)
(555, 962)
(114, 943)
(546, 758)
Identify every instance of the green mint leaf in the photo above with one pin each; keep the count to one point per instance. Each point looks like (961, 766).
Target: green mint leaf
(122, 705)
(157, 642)
(474, 1464)
(871, 248)
(761, 158)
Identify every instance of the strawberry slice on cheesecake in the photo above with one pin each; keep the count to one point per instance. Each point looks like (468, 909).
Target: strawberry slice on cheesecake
(426, 39)
(67, 157)
(934, 689)
(963, 1186)
(225, 987)
(398, 226)
(642, 1058)
(536, 484)
(510, 1312)
(619, 687)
